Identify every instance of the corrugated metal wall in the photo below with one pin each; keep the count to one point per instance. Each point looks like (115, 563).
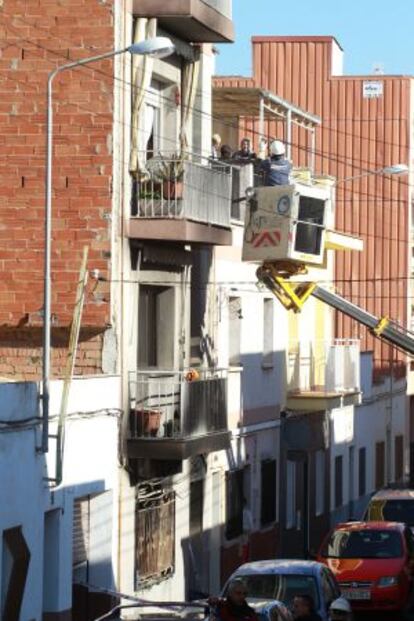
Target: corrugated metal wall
(357, 134)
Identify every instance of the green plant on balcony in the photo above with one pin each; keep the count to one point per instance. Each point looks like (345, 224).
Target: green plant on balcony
(169, 172)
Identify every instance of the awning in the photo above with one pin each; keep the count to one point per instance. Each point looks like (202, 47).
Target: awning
(234, 101)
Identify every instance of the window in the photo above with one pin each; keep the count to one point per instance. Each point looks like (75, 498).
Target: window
(328, 587)
(15, 558)
(234, 504)
(401, 510)
(320, 482)
(268, 317)
(379, 464)
(268, 499)
(309, 226)
(196, 507)
(154, 535)
(362, 472)
(235, 318)
(156, 327)
(281, 586)
(366, 543)
(290, 494)
(81, 536)
(338, 481)
(399, 459)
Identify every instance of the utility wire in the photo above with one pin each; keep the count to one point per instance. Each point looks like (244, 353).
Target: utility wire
(197, 110)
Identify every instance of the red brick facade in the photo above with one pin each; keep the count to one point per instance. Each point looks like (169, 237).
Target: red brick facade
(36, 36)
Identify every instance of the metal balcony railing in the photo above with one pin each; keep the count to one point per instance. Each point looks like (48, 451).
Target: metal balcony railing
(199, 191)
(178, 404)
(324, 366)
(221, 6)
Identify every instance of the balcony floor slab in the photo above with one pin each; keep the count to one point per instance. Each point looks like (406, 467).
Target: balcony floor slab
(177, 448)
(178, 230)
(314, 401)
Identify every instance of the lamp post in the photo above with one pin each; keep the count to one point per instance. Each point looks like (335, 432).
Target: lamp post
(157, 47)
(395, 169)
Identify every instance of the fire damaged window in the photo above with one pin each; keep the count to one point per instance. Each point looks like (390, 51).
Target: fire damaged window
(154, 534)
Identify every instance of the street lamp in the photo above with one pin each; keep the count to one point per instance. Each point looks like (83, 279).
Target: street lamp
(394, 169)
(157, 47)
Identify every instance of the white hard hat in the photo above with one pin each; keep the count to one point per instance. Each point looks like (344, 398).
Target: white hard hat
(277, 148)
(341, 605)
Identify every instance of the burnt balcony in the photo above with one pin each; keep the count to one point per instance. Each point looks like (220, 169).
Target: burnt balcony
(189, 205)
(177, 414)
(198, 21)
(323, 375)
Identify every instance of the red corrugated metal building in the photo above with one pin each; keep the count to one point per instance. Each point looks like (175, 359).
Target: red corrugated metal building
(366, 125)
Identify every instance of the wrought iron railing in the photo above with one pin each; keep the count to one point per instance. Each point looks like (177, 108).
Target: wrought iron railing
(178, 404)
(195, 190)
(332, 366)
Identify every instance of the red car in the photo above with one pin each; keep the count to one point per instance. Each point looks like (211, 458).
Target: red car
(373, 563)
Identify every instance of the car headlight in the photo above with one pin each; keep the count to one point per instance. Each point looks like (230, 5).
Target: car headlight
(388, 581)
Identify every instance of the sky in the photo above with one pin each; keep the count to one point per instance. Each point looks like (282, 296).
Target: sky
(371, 32)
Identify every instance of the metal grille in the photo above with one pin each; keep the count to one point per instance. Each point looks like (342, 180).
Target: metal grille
(81, 520)
(356, 584)
(154, 537)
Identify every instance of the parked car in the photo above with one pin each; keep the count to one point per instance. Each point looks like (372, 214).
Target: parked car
(372, 562)
(283, 579)
(392, 505)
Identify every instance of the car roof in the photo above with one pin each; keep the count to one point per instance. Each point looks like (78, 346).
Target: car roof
(394, 494)
(279, 567)
(374, 525)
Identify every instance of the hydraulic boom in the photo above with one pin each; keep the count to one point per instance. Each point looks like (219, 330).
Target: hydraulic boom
(294, 294)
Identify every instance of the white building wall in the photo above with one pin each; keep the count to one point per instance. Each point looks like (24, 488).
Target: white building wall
(363, 427)
(90, 467)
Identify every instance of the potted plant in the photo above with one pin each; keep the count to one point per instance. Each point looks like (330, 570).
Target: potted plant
(169, 171)
(147, 422)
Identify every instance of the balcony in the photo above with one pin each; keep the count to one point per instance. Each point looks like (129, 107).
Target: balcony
(191, 207)
(176, 414)
(198, 21)
(323, 375)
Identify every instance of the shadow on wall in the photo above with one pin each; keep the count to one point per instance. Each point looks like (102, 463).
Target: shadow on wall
(92, 552)
(205, 575)
(202, 345)
(263, 385)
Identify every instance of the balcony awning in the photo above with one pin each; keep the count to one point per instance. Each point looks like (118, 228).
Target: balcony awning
(235, 101)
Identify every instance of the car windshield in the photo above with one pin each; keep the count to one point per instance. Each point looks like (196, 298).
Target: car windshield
(392, 511)
(283, 587)
(363, 544)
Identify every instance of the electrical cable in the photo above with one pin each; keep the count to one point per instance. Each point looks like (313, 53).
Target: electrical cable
(202, 112)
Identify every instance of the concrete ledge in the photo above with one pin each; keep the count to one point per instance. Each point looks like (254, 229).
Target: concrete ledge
(191, 20)
(176, 448)
(178, 230)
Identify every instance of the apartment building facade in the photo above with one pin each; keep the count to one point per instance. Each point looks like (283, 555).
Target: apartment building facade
(365, 126)
(141, 221)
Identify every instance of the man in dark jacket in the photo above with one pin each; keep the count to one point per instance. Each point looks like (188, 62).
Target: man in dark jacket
(234, 607)
(245, 154)
(276, 169)
(304, 609)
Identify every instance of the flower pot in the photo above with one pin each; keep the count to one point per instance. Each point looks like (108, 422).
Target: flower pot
(146, 422)
(172, 190)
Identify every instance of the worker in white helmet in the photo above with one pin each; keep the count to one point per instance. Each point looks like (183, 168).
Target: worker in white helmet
(276, 169)
(340, 610)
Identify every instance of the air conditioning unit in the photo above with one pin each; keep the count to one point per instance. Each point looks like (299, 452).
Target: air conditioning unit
(287, 223)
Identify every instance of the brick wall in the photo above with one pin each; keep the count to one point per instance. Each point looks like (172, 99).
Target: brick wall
(35, 37)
